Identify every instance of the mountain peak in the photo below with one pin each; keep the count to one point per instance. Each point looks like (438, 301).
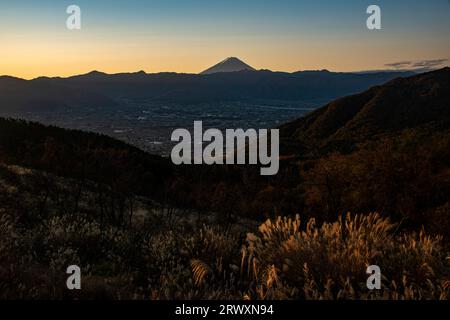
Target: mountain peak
(96, 73)
(231, 64)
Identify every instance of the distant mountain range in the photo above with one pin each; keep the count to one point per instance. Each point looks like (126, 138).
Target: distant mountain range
(221, 83)
(36, 95)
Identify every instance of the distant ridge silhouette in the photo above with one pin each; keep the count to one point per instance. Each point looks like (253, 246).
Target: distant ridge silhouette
(231, 64)
(257, 87)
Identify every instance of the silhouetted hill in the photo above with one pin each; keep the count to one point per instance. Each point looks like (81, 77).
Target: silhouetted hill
(231, 86)
(82, 155)
(21, 96)
(251, 86)
(421, 100)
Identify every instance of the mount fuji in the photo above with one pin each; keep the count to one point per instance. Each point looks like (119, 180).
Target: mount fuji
(231, 64)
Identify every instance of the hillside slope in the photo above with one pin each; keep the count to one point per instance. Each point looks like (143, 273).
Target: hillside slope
(404, 103)
(82, 155)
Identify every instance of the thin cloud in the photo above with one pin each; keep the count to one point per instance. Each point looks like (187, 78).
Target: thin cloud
(429, 63)
(398, 65)
(421, 65)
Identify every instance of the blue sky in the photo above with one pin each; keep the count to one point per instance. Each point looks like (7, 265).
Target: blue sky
(182, 35)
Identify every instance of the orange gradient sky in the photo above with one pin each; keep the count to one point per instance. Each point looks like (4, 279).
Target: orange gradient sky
(184, 41)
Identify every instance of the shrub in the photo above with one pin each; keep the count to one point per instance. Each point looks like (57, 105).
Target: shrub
(329, 261)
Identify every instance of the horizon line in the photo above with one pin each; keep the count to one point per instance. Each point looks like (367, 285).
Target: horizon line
(418, 70)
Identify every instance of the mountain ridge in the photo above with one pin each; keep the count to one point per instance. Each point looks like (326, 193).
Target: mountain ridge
(255, 87)
(385, 109)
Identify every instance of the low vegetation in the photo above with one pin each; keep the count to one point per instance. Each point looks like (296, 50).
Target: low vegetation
(159, 254)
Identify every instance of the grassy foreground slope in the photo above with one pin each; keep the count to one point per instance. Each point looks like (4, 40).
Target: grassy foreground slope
(158, 254)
